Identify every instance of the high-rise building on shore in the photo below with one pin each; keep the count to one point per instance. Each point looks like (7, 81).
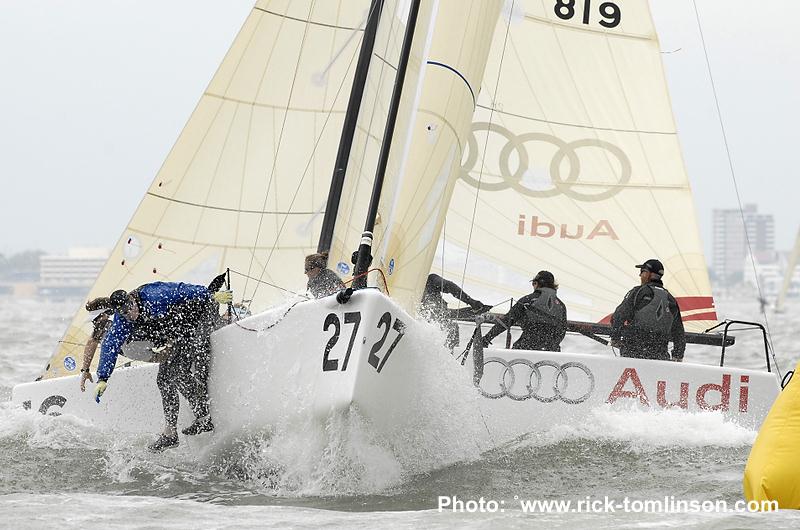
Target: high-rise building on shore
(73, 274)
(733, 229)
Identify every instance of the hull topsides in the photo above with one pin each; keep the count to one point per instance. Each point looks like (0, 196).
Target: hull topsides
(317, 358)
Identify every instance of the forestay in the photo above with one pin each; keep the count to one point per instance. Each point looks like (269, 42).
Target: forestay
(574, 165)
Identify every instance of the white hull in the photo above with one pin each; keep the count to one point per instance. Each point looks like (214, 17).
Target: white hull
(299, 370)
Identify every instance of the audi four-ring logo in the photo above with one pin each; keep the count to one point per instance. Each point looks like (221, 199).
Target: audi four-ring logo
(512, 386)
(562, 185)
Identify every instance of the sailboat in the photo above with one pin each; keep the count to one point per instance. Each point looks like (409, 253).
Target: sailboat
(481, 139)
(788, 276)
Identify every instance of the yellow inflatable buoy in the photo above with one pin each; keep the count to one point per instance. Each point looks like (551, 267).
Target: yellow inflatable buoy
(773, 468)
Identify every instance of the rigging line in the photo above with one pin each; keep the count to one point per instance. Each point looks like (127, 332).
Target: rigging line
(258, 280)
(205, 206)
(733, 177)
(576, 125)
(217, 166)
(363, 24)
(513, 49)
(309, 21)
(406, 138)
(236, 322)
(362, 178)
(302, 178)
(585, 108)
(647, 156)
(485, 144)
(280, 135)
(217, 112)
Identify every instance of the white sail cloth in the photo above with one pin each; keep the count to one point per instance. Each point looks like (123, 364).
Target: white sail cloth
(245, 185)
(574, 166)
(449, 54)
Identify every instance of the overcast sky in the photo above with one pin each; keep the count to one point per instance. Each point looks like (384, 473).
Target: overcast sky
(93, 94)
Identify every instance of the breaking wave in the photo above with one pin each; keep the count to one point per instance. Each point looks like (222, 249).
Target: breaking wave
(645, 431)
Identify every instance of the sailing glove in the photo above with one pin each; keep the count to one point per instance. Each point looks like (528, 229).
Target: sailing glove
(476, 304)
(223, 297)
(99, 390)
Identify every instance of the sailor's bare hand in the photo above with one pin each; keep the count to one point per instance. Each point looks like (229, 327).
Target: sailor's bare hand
(84, 377)
(615, 344)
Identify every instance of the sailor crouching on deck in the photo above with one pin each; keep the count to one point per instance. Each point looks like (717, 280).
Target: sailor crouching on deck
(181, 317)
(434, 307)
(648, 318)
(321, 280)
(541, 315)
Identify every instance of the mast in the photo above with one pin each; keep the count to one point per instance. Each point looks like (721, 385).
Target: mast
(349, 126)
(787, 278)
(364, 249)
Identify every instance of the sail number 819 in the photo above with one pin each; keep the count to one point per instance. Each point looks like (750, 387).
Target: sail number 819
(609, 11)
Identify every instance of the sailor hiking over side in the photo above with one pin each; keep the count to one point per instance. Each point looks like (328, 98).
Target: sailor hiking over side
(180, 318)
(434, 307)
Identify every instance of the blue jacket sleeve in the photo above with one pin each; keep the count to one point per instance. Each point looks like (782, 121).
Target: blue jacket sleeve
(188, 291)
(120, 330)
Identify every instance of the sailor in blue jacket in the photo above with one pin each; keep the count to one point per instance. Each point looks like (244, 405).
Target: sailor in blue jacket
(179, 317)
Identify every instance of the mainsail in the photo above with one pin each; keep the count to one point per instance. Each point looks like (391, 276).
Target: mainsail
(245, 185)
(574, 165)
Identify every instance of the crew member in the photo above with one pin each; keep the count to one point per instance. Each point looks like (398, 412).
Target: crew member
(434, 307)
(100, 324)
(321, 280)
(181, 317)
(648, 318)
(541, 315)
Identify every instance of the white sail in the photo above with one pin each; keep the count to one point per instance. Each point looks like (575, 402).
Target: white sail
(794, 257)
(245, 185)
(439, 97)
(574, 165)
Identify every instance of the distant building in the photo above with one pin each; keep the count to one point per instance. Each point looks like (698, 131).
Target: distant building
(732, 230)
(73, 274)
(770, 276)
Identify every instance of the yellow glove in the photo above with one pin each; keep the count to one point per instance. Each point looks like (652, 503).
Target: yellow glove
(223, 297)
(99, 390)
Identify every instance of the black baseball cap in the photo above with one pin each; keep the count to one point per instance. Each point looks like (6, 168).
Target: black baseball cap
(118, 299)
(652, 265)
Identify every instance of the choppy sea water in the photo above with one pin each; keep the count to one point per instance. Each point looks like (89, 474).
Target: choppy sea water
(59, 471)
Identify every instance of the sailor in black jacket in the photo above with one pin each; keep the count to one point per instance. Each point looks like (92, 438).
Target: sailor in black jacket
(648, 318)
(541, 315)
(434, 307)
(321, 280)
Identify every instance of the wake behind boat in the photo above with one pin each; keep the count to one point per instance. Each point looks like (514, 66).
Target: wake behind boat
(479, 141)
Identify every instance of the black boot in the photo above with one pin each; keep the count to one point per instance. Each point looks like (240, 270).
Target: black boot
(164, 442)
(200, 425)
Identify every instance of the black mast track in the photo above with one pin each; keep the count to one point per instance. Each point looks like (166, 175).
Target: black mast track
(349, 126)
(364, 249)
